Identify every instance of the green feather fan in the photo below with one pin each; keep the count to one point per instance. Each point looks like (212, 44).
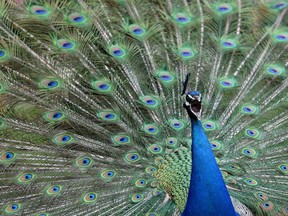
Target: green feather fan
(91, 107)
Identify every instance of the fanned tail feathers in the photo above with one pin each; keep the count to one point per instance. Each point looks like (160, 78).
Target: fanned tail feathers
(92, 121)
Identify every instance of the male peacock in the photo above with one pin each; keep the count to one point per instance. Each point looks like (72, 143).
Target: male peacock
(92, 118)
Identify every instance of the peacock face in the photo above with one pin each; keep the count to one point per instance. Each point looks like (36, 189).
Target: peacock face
(193, 104)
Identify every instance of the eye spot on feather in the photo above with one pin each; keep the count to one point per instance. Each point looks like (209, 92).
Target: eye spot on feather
(252, 133)
(261, 196)
(279, 36)
(25, 178)
(140, 183)
(121, 139)
(108, 116)
(90, 197)
(249, 152)
(216, 146)
(12, 208)
(275, 70)
(2, 53)
(251, 182)
(49, 84)
(132, 157)
(62, 139)
(176, 124)
(150, 170)
(39, 10)
(249, 109)
(279, 5)
(181, 18)
(209, 125)
(165, 77)
(7, 157)
(102, 86)
(234, 168)
(151, 129)
(150, 101)
(77, 18)
(171, 142)
(228, 44)
(136, 30)
(65, 44)
(84, 162)
(283, 168)
(186, 53)
(267, 206)
(137, 198)
(222, 9)
(53, 190)
(117, 52)
(53, 116)
(155, 149)
(227, 83)
(107, 174)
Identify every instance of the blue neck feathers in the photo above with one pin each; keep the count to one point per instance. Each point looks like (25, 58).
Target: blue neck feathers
(208, 194)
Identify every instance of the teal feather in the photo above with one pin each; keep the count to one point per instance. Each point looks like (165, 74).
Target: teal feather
(91, 107)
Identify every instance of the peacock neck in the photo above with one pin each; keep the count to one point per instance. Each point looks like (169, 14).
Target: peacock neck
(207, 194)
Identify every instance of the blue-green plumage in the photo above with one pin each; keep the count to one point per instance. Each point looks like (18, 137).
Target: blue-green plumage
(207, 194)
(91, 107)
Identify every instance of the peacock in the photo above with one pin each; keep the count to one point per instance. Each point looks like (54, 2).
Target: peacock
(144, 107)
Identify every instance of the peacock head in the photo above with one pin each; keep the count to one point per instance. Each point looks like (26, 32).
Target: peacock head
(193, 104)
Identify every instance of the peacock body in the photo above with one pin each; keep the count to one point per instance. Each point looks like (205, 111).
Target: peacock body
(92, 117)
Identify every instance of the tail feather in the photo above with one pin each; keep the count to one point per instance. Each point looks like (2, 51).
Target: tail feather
(92, 121)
